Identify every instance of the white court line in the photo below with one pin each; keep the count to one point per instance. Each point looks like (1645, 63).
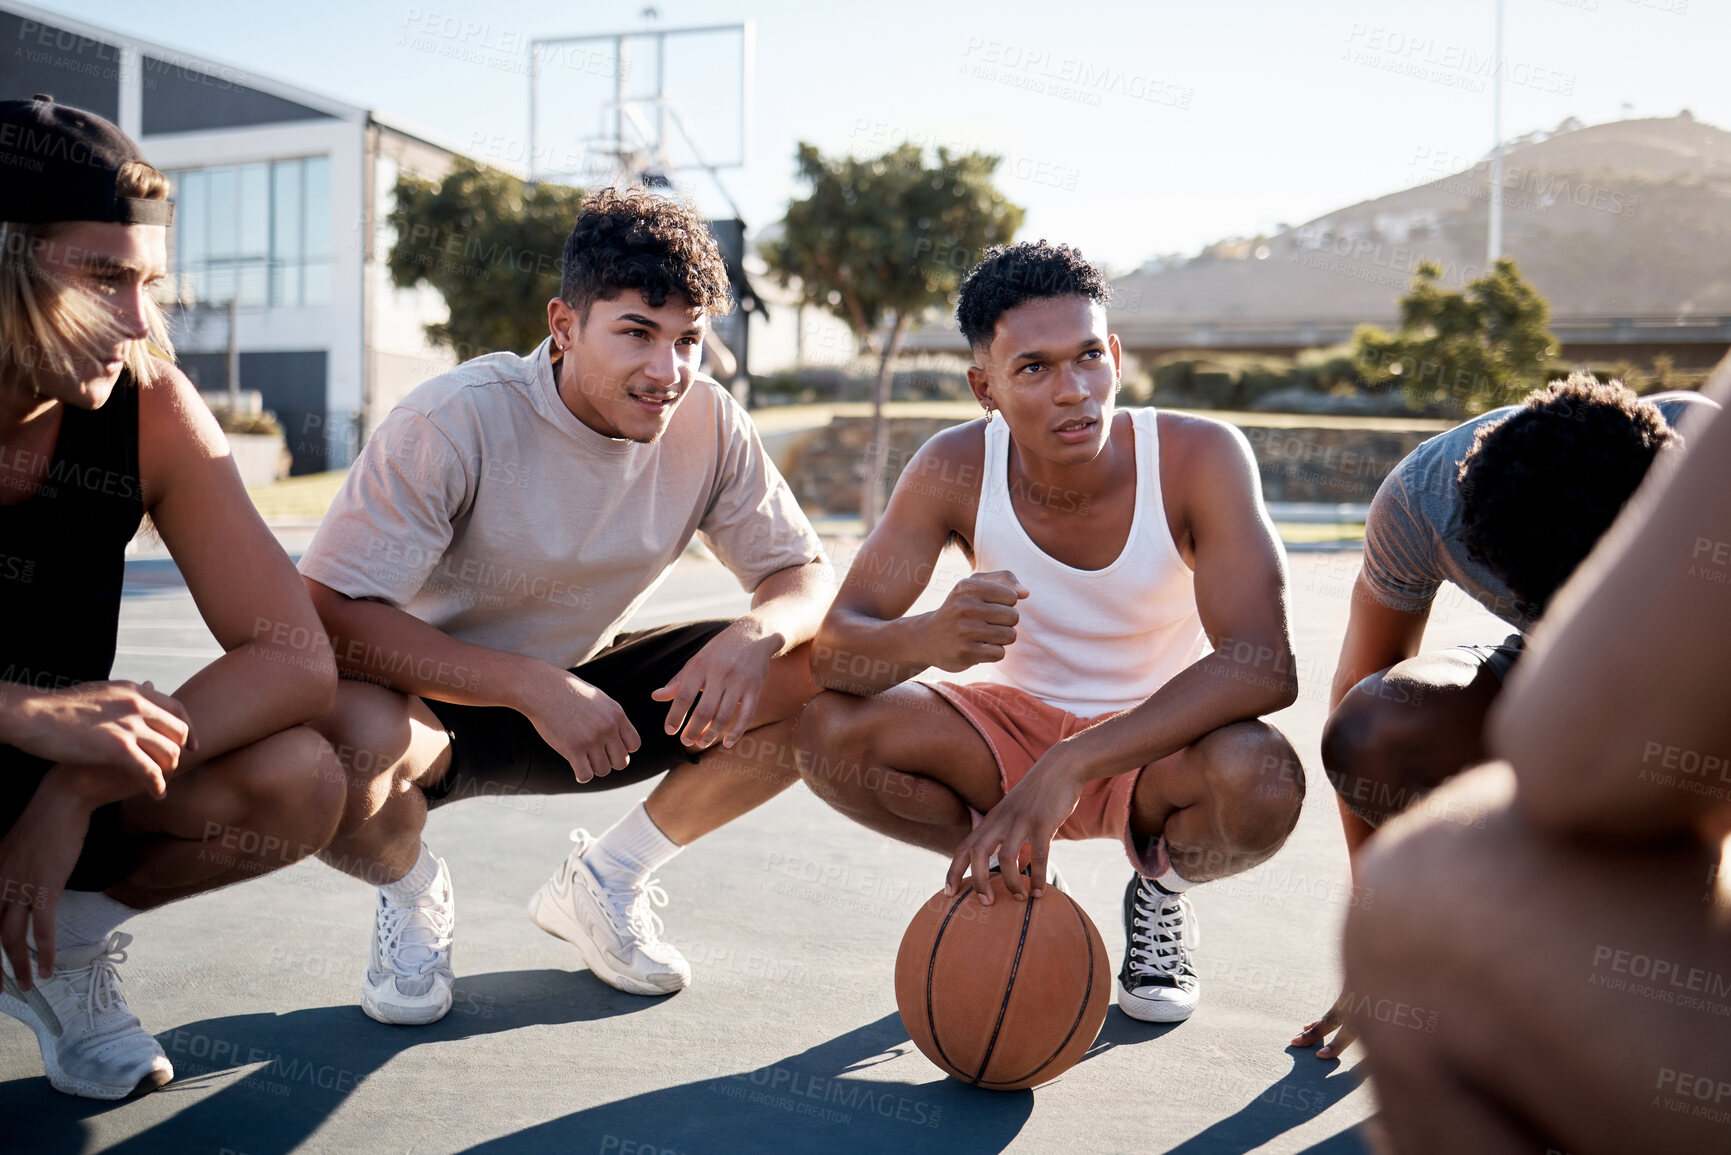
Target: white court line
(166, 652)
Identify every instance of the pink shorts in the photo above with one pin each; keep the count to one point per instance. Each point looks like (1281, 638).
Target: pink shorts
(1019, 729)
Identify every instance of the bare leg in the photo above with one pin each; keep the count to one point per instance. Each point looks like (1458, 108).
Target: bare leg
(694, 799)
(389, 746)
(253, 810)
(1224, 803)
(1508, 987)
(1403, 731)
(903, 762)
(392, 745)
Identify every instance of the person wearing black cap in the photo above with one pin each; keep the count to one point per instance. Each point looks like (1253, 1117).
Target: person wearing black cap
(116, 797)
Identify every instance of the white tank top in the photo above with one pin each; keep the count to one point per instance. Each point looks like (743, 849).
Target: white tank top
(1091, 641)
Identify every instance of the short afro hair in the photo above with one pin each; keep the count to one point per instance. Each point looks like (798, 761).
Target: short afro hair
(641, 240)
(1542, 485)
(1011, 274)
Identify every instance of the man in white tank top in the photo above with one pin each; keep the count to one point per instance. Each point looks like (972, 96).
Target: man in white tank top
(1129, 607)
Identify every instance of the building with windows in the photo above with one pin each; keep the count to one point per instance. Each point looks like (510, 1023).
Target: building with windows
(279, 239)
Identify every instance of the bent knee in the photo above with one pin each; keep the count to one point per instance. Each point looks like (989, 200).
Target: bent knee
(1375, 753)
(833, 744)
(369, 730)
(831, 720)
(1257, 784)
(293, 776)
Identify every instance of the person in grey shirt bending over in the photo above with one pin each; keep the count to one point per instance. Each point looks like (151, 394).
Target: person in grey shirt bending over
(500, 526)
(1505, 507)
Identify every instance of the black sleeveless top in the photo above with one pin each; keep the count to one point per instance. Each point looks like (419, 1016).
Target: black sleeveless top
(62, 549)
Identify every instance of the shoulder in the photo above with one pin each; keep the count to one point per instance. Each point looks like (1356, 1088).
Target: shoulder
(1433, 465)
(941, 483)
(181, 448)
(1201, 446)
(497, 378)
(955, 456)
(171, 413)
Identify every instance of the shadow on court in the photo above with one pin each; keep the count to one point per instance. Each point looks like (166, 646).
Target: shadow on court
(812, 1101)
(1297, 1097)
(305, 1065)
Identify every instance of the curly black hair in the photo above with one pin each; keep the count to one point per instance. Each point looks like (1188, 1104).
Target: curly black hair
(1542, 485)
(637, 239)
(1011, 274)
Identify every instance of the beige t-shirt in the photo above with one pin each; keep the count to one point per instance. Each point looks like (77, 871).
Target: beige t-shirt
(484, 507)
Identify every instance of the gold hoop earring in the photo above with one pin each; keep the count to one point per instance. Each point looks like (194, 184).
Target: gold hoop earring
(990, 413)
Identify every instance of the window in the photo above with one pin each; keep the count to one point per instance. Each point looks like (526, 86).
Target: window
(257, 232)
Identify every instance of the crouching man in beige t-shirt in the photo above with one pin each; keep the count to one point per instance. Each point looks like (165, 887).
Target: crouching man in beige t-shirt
(502, 523)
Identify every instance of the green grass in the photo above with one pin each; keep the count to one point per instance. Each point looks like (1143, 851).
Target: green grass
(307, 496)
(1308, 533)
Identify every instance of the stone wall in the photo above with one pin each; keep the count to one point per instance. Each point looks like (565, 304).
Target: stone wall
(826, 466)
(1333, 465)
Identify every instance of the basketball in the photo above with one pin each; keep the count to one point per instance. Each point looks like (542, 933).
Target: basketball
(1005, 996)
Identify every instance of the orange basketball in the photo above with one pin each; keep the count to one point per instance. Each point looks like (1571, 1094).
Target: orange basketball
(1004, 996)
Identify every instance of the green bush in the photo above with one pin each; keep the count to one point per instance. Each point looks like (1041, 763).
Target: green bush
(1224, 380)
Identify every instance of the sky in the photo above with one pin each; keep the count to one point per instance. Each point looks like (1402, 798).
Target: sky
(1128, 129)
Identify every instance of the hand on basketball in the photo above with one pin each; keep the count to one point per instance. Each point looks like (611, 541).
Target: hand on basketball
(36, 858)
(1020, 829)
(724, 679)
(977, 621)
(587, 728)
(1317, 1032)
(136, 729)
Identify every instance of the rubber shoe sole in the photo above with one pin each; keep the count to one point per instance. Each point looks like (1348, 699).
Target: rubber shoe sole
(414, 1011)
(25, 1011)
(1174, 1009)
(550, 915)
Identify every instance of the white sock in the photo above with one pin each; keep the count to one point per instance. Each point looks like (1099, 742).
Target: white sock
(84, 917)
(632, 848)
(1172, 882)
(415, 883)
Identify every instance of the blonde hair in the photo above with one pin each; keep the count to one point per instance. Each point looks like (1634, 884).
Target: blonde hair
(47, 327)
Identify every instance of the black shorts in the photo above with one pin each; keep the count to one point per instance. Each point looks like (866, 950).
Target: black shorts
(109, 854)
(496, 751)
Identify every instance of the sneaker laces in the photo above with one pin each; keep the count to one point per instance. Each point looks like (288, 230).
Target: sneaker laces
(633, 909)
(102, 975)
(414, 937)
(1158, 945)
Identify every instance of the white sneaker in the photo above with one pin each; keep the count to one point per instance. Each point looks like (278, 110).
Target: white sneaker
(92, 1044)
(1158, 982)
(408, 980)
(614, 927)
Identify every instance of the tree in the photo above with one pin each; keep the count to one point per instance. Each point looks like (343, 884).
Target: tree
(1466, 351)
(880, 241)
(491, 245)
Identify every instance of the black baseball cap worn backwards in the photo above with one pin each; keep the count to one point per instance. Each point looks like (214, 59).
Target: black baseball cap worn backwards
(59, 163)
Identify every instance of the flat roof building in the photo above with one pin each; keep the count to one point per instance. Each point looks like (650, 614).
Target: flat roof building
(282, 196)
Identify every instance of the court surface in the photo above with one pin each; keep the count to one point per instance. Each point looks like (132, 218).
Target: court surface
(787, 1041)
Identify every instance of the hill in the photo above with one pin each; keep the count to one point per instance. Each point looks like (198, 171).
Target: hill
(1627, 218)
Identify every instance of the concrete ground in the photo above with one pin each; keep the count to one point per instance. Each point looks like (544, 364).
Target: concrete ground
(789, 1037)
